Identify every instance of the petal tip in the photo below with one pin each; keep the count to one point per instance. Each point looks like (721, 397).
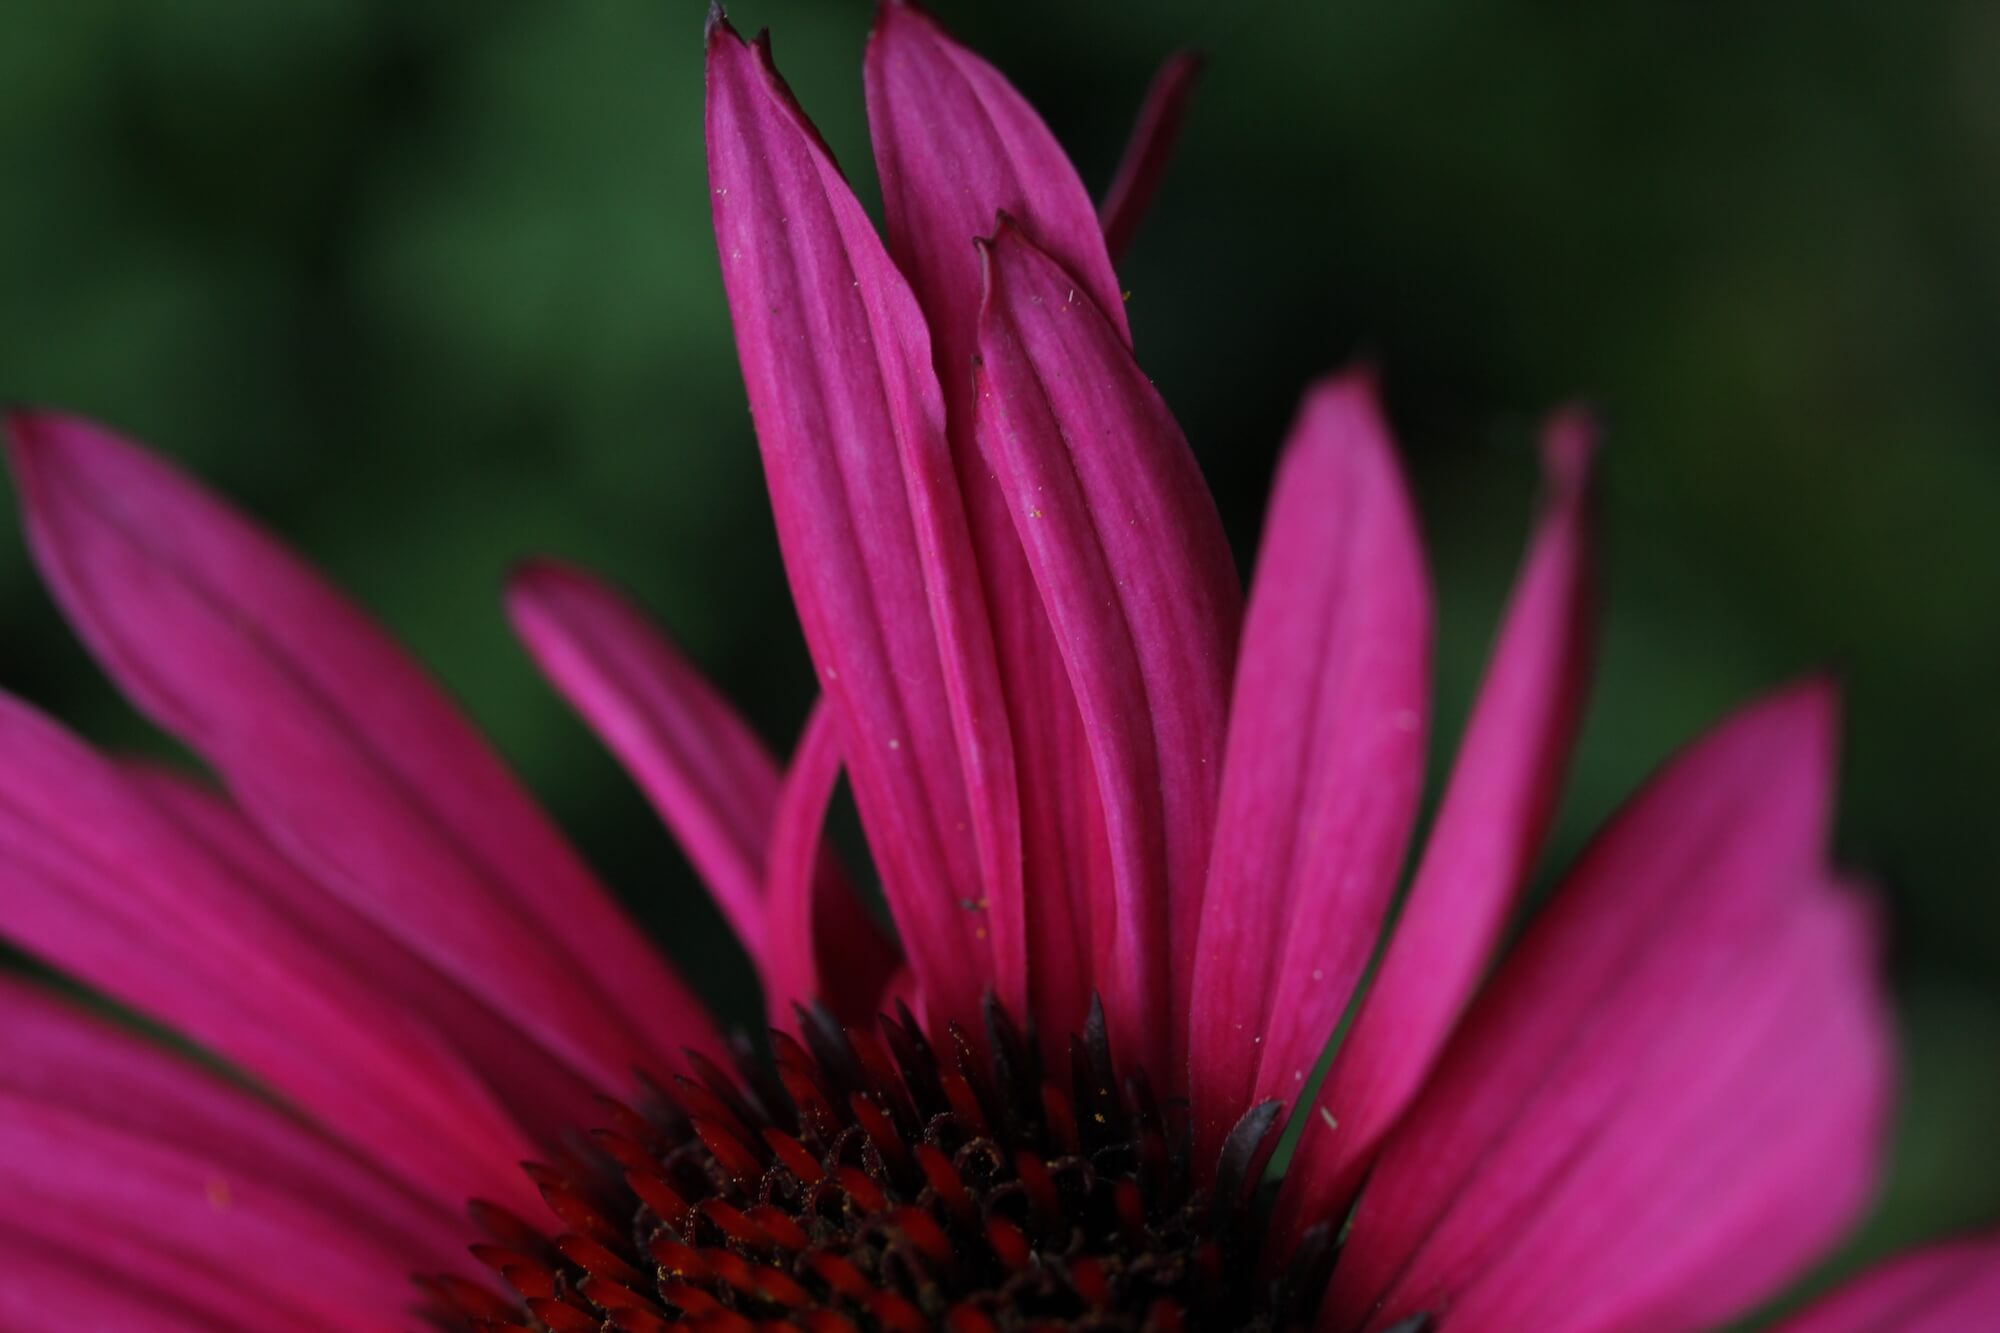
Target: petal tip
(1569, 445)
(716, 25)
(1353, 393)
(534, 573)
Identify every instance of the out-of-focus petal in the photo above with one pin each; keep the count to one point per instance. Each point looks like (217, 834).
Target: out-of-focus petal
(837, 362)
(1950, 1287)
(255, 881)
(1147, 153)
(1324, 765)
(701, 766)
(100, 884)
(123, 1155)
(955, 145)
(1482, 847)
(1127, 550)
(1673, 1095)
(823, 944)
(340, 747)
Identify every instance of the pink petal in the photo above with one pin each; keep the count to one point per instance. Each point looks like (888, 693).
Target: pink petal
(823, 944)
(198, 1191)
(340, 748)
(1672, 1095)
(1482, 848)
(1761, 1111)
(704, 770)
(954, 146)
(1949, 1287)
(1147, 153)
(838, 366)
(1324, 765)
(1128, 553)
(38, 1275)
(98, 883)
(540, 1094)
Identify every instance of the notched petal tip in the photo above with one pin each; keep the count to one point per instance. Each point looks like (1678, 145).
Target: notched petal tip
(717, 25)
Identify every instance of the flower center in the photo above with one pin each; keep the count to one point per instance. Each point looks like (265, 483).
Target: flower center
(878, 1183)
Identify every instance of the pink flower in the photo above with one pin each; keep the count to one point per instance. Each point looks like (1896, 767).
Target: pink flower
(1104, 796)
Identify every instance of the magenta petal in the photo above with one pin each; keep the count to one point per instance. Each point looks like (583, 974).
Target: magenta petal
(1482, 847)
(838, 366)
(1324, 765)
(1147, 153)
(1692, 1032)
(340, 748)
(701, 766)
(1950, 1287)
(253, 881)
(202, 1194)
(1125, 545)
(823, 944)
(955, 145)
(96, 882)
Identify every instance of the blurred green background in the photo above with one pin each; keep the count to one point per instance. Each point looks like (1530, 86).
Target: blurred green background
(429, 287)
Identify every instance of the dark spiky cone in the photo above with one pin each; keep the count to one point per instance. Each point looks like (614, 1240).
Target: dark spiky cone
(879, 1183)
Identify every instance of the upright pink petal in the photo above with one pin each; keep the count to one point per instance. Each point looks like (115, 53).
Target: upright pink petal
(195, 1193)
(1949, 1287)
(1144, 164)
(98, 883)
(1129, 556)
(340, 748)
(838, 366)
(1324, 765)
(1482, 848)
(955, 145)
(1692, 1030)
(824, 945)
(701, 766)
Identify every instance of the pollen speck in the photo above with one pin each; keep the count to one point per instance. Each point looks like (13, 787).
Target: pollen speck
(1327, 1116)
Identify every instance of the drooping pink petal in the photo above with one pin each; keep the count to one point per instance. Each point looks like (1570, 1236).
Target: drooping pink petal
(100, 884)
(823, 944)
(701, 766)
(1673, 1093)
(1128, 553)
(40, 1274)
(837, 361)
(340, 748)
(955, 145)
(1482, 847)
(1147, 153)
(1760, 1111)
(542, 1095)
(1324, 762)
(1949, 1287)
(190, 1187)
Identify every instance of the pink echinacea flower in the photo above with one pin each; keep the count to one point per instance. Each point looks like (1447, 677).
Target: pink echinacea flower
(1138, 833)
